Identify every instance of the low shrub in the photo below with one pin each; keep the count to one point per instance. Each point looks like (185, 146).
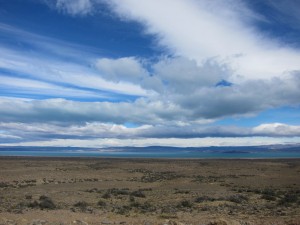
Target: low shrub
(81, 204)
(138, 194)
(106, 195)
(288, 198)
(238, 198)
(185, 204)
(46, 203)
(204, 199)
(101, 203)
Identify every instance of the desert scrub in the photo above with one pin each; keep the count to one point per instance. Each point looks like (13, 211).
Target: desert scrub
(151, 176)
(81, 204)
(46, 203)
(238, 198)
(288, 198)
(206, 179)
(93, 190)
(33, 204)
(268, 194)
(4, 184)
(131, 198)
(204, 199)
(101, 203)
(138, 194)
(43, 203)
(143, 207)
(181, 191)
(106, 195)
(185, 204)
(116, 191)
(122, 209)
(28, 197)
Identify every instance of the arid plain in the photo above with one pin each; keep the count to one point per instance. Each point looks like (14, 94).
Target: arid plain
(149, 191)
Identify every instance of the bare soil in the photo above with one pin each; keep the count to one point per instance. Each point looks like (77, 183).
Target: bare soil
(40, 191)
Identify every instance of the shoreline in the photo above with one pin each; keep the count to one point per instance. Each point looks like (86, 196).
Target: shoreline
(139, 158)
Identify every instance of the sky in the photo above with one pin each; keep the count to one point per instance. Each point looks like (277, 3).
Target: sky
(99, 73)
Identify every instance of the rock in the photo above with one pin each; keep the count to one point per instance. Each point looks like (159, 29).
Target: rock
(223, 222)
(80, 222)
(38, 222)
(106, 222)
(10, 222)
(171, 222)
(244, 223)
(218, 222)
(148, 223)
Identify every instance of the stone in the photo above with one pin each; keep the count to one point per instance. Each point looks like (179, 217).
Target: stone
(218, 222)
(38, 222)
(148, 223)
(80, 222)
(10, 222)
(106, 222)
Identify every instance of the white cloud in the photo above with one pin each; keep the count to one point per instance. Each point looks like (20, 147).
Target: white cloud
(7, 138)
(191, 142)
(44, 68)
(122, 69)
(67, 111)
(25, 86)
(75, 7)
(185, 77)
(277, 129)
(40, 131)
(202, 30)
(168, 107)
(176, 95)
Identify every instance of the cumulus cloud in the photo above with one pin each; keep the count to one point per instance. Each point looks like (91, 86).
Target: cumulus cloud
(191, 106)
(121, 69)
(193, 88)
(184, 76)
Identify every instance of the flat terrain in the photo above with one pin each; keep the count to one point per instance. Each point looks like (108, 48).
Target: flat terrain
(149, 191)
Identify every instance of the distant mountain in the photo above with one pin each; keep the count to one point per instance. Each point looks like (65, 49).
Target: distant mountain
(229, 149)
(224, 149)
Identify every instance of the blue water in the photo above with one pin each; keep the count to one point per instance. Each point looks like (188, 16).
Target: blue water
(182, 154)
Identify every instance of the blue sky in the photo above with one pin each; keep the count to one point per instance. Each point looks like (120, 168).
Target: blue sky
(102, 73)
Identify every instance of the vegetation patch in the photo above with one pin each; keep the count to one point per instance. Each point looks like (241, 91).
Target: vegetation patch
(201, 199)
(238, 198)
(44, 202)
(185, 204)
(138, 194)
(268, 194)
(288, 199)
